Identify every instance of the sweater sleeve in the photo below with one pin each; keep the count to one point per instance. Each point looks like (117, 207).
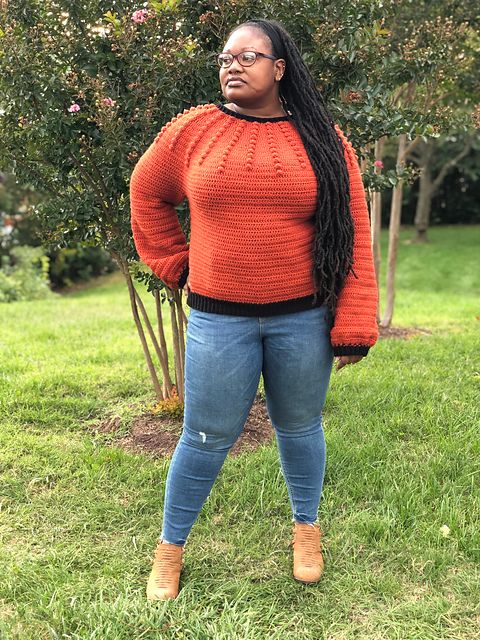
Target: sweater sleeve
(156, 188)
(355, 327)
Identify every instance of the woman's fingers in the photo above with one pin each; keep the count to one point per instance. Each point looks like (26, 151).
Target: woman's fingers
(343, 360)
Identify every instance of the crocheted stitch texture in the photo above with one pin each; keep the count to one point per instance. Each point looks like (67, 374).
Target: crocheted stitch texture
(252, 192)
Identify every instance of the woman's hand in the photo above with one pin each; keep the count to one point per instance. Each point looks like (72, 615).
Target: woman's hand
(186, 287)
(343, 360)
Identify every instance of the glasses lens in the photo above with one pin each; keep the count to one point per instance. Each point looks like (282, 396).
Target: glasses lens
(224, 59)
(247, 58)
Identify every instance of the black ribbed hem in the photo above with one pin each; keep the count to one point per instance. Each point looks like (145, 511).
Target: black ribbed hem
(350, 350)
(226, 307)
(183, 277)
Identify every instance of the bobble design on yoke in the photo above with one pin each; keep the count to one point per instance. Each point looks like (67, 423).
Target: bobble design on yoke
(251, 146)
(193, 110)
(347, 144)
(218, 135)
(193, 144)
(293, 143)
(273, 150)
(240, 126)
(238, 131)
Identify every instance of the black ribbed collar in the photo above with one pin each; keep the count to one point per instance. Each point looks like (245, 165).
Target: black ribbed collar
(244, 116)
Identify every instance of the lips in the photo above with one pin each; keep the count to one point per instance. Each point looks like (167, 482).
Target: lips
(234, 80)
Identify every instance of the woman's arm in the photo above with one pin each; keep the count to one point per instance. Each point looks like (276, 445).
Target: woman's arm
(156, 188)
(355, 327)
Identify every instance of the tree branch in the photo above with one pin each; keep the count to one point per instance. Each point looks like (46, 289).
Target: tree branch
(451, 163)
(97, 173)
(414, 143)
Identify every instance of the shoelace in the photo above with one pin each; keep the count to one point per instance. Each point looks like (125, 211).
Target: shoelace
(167, 562)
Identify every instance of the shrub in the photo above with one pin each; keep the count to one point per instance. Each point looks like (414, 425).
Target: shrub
(27, 277)
(79, 263)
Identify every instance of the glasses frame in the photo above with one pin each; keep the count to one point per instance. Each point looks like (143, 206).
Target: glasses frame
(236, 56)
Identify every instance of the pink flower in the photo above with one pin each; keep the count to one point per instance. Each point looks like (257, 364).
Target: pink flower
(109, 102)
(378, 163)
(74, 107)
(140, 15)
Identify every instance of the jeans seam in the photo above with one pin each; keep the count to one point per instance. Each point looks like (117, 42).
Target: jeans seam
(166, 491)
(288, 482)
(289, 488)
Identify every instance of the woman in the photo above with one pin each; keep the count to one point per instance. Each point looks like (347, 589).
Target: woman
(278, 274)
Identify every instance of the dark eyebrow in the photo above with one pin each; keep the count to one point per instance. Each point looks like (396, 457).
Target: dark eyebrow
(242, 49)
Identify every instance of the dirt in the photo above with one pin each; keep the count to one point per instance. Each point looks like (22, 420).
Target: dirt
(158, 436)
(402, 332)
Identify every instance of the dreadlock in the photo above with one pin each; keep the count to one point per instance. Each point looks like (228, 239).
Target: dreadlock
(333, 243)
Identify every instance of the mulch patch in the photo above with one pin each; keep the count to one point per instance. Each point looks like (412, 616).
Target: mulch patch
(402, 332)
(159, 435)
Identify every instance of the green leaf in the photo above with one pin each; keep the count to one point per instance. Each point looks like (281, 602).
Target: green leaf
(112, 17)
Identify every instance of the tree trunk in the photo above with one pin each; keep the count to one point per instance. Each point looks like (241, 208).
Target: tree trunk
(425, 194)
(177, 334)
(376, 222)
(180, 319)
(160, 345)
(429, 185)
(167, 381)
(162, 355)
(136, 316)
(394, 230)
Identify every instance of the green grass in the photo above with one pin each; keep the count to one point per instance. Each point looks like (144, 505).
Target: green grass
(79, 518)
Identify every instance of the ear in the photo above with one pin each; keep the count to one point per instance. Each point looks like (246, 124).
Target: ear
(279, 68)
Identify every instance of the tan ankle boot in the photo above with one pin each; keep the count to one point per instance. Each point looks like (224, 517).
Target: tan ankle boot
(307, 552)
(164, 579)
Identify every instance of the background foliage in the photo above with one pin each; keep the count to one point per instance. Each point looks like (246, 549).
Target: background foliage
(85, 87)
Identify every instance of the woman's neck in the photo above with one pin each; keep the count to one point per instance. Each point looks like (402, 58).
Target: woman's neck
(280, 112)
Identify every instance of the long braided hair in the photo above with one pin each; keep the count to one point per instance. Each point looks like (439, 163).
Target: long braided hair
(333, 243)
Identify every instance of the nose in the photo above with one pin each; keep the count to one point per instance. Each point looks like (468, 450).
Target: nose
(235, 66)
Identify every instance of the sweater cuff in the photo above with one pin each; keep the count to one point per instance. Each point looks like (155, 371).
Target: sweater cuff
(350, 350)
(183, 277)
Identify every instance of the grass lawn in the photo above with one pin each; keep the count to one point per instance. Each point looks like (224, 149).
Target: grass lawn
(79, 517)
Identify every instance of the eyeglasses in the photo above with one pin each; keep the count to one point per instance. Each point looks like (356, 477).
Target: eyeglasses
(245, 58)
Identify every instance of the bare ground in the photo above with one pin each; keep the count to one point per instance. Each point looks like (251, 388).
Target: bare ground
(158, 435)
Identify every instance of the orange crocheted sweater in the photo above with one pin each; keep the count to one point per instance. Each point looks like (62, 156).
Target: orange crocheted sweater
(251, 191)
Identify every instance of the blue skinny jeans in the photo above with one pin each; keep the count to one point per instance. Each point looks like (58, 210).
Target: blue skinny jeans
(224, 357)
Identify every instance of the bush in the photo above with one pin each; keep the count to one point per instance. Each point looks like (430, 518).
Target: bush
(27, 277)
(79, 264)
